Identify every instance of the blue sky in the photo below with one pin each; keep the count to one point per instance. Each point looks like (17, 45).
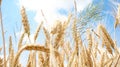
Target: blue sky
(12, 18)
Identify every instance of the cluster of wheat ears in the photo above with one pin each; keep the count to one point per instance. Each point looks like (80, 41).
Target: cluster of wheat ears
(57, 52)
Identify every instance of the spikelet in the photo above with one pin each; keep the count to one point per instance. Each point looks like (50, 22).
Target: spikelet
(59, 40)
(20, 41)
(58, 31)
(10, 51)
(117, 18)
(66, 23)
(89, 38)
(47, 35)
(84, 55)
(37, 31)
(102, 60)
(106, 38)
(59, 60)
(117, 61)
(72, 57)
(20, 44)
(112, 43)
(58, 24)
(95, 45)
(40, 59)
(56, 27)
(116, 49)
(94, 59)
(11, 57)
(74, 31)
(25, 21)
(59, 35)
(47, 44)
(10, 44)
(75, 35)
(116, 23)
(108, 62)
(67, 49)
(76, 39)
(46, 61)
(90, 62)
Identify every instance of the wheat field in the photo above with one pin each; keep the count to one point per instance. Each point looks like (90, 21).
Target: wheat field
(101, 49)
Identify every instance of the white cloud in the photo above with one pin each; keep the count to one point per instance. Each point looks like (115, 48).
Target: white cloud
(50, 8)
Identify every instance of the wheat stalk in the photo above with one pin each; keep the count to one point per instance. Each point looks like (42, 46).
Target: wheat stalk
(3, 38)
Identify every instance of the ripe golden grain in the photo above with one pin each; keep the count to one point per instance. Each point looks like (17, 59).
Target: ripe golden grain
(56, 49)
(20, 41)
(11, 57)
(106, 38)
(37, 31)
(47, 35)
(117, 17)
(25, 21)
(59, 35)
(40, 59)
(11, 52)
(89, 39)
(10, 44)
